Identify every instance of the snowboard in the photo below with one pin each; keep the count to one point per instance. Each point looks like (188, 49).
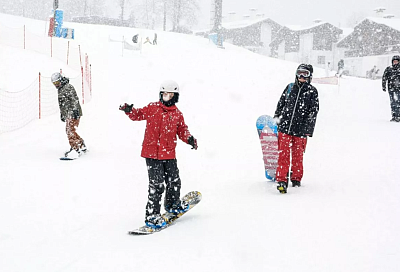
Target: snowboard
(268, 134)
(193, 198)
(71, 159)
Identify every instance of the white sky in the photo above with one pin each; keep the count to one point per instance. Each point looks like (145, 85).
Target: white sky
(305, 11)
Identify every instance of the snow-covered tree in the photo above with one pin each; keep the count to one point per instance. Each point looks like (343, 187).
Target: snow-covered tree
(183, 14)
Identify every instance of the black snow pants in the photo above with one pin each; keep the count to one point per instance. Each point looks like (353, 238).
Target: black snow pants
(395, 103)
(160, 172)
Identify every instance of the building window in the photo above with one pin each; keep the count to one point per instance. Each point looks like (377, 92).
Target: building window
(321, 59)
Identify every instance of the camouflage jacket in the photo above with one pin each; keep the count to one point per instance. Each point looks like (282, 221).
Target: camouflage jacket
(68, 102)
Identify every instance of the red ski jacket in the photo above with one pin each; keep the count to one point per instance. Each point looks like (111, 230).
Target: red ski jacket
(163, 124)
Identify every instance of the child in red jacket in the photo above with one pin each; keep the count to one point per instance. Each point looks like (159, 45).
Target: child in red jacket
(164, 122)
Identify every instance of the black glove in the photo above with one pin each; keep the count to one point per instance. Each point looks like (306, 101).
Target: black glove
(126, 107)
(384, 89)
(193, 142)
(75, 114)
(62, 118)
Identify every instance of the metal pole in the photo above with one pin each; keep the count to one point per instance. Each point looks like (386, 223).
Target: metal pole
(40, 97)
(165, 15)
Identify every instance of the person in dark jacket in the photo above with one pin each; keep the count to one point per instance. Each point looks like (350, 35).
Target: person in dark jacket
(164, 123)
(135, 38)
(70, 113)
(392, 77)
(340, 68)
(296, 115)
(155, 39)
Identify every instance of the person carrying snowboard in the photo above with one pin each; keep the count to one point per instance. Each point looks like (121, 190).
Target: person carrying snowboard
(296, 115)
(164, 123)
(70, 113)
(392, 77)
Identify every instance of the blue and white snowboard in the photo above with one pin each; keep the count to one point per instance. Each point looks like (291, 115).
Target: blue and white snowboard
(193, 198)
(268, 134)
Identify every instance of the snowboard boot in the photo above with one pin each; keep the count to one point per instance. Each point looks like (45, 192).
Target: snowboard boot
(72, 153)
(282, 187)
(296, 183)
(177, 208)
(155, 221)
(83, 147)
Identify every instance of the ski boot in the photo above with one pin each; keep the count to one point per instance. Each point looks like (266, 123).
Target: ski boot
(155, 221)
(282, 187)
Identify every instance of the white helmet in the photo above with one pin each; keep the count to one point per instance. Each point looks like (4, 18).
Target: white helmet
(169, 86)
(56, 77)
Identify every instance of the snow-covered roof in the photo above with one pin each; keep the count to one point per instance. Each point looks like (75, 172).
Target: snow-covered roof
(244, 23)
(346, 32)
(390, 22)
(299, 28)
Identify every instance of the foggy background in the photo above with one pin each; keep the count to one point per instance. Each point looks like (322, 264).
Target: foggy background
(195, 14)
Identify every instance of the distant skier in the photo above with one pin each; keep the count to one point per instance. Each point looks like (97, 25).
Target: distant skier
(164, 123)
(70, 112)
(147, 40)
(296, 115)
(135, 38)
(155, 39)
(392, 76)
(340, 68)
(371, 74)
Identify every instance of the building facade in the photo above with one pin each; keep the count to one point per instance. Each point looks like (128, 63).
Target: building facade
(372, 43)
(315, 44)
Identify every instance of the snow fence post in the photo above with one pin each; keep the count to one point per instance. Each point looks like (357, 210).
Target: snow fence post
(80, 58)
(67, 52)
(90, 79)
(122, 43)
(40, 98)
(83, 83)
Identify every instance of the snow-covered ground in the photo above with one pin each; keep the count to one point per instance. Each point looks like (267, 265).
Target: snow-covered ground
(74, 215)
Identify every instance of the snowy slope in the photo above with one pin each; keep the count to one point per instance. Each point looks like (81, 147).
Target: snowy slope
(73, 216)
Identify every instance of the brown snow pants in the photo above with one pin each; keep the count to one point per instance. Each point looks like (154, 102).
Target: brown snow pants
(75, 141)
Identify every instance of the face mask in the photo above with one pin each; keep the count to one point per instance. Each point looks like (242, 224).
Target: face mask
(167, 96)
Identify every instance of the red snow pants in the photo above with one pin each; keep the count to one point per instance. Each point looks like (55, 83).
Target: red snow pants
(296, 146)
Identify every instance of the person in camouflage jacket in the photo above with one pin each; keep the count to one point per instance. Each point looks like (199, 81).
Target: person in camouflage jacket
(392, 77)
(70, 111)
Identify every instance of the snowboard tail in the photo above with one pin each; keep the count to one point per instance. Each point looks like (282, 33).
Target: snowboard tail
(193, 198)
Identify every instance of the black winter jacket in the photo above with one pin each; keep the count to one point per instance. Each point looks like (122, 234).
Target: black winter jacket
(297, 110)
(392, 76)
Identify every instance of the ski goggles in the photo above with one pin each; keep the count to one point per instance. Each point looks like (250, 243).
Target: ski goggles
(57, 83)
(303, 73)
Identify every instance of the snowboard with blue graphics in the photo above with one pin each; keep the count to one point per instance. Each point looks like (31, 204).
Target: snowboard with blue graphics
(192, 198)
(268, 134)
